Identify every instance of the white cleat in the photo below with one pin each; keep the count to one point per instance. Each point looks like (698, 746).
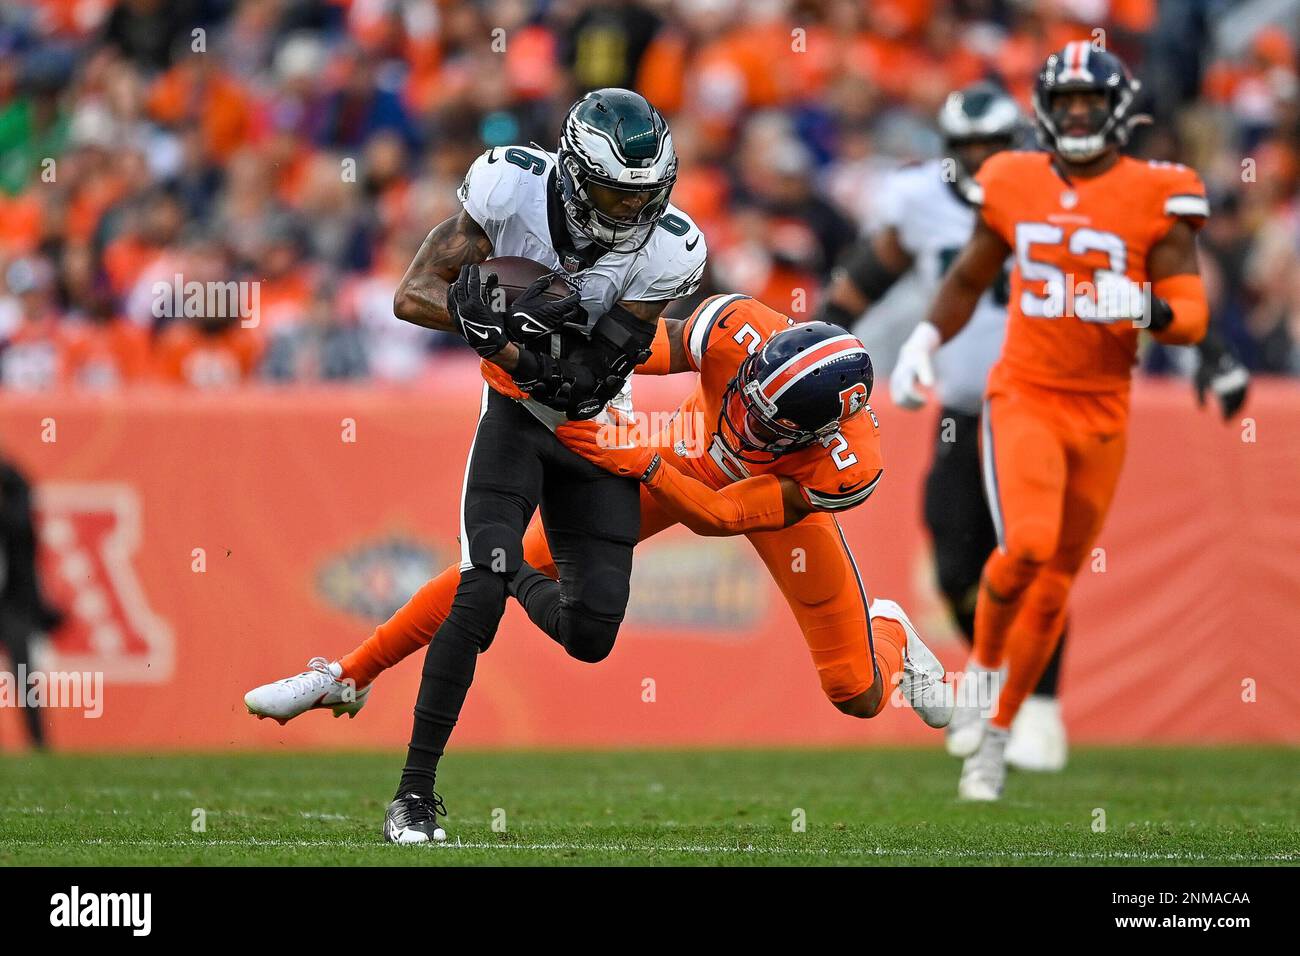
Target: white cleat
(317, 688)
(922, 683)
(985, 772)
(1038, 736)
(977, 697)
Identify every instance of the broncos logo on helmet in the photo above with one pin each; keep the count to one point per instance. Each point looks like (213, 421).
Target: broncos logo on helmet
(797, 389)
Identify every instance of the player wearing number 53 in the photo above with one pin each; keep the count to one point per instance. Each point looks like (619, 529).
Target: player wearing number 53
(1104, 247)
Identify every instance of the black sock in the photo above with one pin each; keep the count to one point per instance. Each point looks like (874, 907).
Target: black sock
(1049, 683)
(448, 672)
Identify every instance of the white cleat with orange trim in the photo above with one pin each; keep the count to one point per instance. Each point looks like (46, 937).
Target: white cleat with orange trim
(320, 687)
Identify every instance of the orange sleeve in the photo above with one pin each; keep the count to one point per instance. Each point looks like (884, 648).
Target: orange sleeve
(994, 196)
(661, 354)
(755, 504)
(727, 327)
(1186, 297)
(1182, 196)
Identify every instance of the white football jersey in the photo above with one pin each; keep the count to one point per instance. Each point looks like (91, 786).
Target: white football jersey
(507, 192)
(933, 224)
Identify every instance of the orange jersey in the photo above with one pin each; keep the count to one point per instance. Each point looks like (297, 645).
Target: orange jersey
(1063, 232)
(106, 355)
(835, 474)
(222, 359)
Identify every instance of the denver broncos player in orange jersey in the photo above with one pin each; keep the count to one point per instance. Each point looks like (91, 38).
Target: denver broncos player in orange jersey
(776, 437)
(1104, 246)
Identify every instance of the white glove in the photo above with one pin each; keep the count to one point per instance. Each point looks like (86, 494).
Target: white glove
(1118, 299)
(914, 367)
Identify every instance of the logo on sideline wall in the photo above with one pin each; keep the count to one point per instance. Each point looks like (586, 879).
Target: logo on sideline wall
(374, 579)
(694, 584)
(89, 535)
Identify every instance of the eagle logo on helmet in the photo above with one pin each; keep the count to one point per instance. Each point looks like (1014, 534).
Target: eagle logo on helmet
(617, 168)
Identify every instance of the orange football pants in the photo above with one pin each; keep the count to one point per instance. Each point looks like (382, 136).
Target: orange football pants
(809, 561)
(1051, 460)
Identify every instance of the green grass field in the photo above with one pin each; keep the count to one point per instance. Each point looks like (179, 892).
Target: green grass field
(876, 807)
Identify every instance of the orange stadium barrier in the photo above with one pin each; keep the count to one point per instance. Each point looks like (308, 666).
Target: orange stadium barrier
(207, 543)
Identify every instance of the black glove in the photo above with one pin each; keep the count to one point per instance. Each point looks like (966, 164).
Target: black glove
(558, 383)
(478, 311)
(1219, 372)
(532, 315)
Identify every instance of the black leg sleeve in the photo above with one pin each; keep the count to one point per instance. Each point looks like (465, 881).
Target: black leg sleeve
(503, 483)
(448, 672)
(957, 515)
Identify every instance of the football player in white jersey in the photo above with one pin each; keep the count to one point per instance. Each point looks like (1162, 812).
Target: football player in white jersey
(597, 210)
(926, 218)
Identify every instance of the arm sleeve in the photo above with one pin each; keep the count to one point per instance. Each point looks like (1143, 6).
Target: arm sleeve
(1186, 297)
(755, 504)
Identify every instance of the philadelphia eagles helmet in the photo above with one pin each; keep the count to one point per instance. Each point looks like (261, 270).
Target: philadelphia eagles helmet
(977, 122)
(616, 168)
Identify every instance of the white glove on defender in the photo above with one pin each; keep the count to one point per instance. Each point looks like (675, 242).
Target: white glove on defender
(1118, 299)
(915, 366)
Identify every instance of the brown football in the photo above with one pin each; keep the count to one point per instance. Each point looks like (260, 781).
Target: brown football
(515, 274)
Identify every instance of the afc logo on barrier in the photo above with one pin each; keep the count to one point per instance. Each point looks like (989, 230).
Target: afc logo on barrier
(89, 535)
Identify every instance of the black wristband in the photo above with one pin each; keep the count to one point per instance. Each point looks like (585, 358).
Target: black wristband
(654, 465)
(1161, 315)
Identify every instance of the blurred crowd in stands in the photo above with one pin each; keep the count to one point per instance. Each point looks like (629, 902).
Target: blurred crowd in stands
(307, 146)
